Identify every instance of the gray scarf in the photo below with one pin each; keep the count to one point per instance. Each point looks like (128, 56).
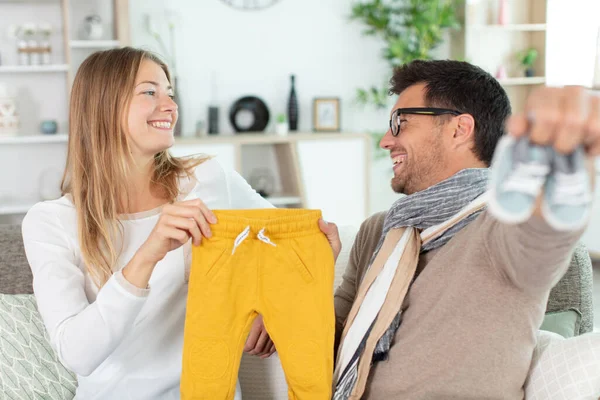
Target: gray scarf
(420, 210)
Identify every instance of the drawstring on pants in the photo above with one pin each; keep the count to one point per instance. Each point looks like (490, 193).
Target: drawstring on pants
(245, 233)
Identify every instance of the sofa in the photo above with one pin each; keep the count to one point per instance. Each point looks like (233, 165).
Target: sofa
(32, 370)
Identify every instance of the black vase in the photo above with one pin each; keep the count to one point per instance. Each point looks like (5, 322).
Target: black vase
(293, 107)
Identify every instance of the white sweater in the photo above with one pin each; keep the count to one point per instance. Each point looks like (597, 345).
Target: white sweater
(122, 342)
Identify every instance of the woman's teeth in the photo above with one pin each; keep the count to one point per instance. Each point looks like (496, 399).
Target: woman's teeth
(161, 124)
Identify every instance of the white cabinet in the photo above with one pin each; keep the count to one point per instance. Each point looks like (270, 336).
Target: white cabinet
(335, 176)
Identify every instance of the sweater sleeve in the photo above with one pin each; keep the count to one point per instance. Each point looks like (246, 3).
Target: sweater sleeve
(362, 249)
(531, 255)
(82, 334)
(241, 194)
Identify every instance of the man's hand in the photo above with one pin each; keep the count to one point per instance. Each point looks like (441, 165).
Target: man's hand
(333, 237)
(259, 343)
(563, 118)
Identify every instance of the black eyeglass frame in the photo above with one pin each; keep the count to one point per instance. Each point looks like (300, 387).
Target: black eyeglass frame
(419, 111)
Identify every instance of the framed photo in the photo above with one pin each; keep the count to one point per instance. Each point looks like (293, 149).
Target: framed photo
(326, 114)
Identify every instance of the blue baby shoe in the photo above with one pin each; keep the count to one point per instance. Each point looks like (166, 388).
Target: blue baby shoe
(568, 194)
(518, 173)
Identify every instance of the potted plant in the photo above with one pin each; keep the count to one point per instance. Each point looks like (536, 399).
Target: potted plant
(527, 59)
(409, 30)
(281, 125)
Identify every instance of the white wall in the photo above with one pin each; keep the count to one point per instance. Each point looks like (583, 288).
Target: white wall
(572, 32)
(571, 59)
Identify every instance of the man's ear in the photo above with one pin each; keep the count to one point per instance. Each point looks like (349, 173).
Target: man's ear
(464, 130)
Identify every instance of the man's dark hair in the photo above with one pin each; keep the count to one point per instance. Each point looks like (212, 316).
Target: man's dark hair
(464, 87)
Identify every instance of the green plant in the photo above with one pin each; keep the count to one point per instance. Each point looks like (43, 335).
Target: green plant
(281, 118)
(411, 29)
(527, 57)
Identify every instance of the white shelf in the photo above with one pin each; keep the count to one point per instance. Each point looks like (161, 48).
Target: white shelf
(14, 207)
(62, 138)
(94, 44)
(535, 80)
(510, 27)
(283, 200)
(33, 68)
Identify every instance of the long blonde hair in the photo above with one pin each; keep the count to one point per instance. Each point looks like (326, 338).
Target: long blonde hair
(98, 157)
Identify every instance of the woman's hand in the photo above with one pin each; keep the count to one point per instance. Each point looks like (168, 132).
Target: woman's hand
(177, 224)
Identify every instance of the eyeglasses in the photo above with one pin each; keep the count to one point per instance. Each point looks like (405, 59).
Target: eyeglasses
(395, 120)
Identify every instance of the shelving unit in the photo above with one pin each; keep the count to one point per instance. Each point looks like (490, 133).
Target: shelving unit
(536, 80)
(490, 45)
(24, 69)
(512, 27)
(94, 44)
(40, 139)
(41, 157)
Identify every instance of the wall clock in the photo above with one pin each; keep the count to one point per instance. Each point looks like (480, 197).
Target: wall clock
(250, 4)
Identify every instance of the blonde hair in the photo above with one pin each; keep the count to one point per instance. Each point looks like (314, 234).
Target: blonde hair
(98, 156)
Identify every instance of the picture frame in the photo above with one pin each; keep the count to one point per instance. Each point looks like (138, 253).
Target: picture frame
(326, 114)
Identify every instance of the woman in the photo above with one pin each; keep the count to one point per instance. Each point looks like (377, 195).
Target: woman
(109, 257)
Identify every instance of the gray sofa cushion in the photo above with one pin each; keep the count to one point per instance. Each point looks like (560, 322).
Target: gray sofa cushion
(574, 291)
(15, 274)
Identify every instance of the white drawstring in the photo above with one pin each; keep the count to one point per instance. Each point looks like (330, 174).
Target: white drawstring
(242, 236)
(263, 238)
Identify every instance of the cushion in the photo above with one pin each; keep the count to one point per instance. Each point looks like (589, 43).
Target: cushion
(575, 289)
(565, 369)
(29, 367)
(565, 323)
(14, 268)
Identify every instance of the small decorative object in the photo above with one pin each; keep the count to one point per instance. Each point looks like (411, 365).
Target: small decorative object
(49, 127)
(263, 181)
(27, 45)
(45, 31)
(503, 12)
(23, 51)
(250, 5)
(281, 125)
(527, 59)
(29, 33)
(9, 118)
(249, 114)
(213, 120)
(92, 28)
(293, 106)
(200, 128)
(501, 72)
(326, 114)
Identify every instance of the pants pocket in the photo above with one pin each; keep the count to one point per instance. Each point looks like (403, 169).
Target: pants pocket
(302, 258)
(210, 257)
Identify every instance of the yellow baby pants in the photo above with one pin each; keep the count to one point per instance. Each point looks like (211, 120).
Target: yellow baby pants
(273, 262)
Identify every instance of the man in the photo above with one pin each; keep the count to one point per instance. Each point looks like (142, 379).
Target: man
(468, 322)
